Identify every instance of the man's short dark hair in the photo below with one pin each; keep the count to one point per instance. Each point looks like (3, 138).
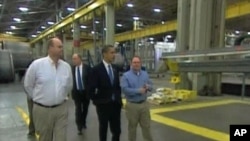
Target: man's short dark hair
(106, 48)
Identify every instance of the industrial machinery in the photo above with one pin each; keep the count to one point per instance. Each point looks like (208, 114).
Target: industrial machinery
(15, 58)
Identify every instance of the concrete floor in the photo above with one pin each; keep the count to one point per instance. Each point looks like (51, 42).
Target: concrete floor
(205, 119)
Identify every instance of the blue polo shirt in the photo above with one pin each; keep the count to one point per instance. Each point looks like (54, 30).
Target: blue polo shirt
(131, 83)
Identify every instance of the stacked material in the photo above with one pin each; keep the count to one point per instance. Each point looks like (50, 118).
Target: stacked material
(168, 95)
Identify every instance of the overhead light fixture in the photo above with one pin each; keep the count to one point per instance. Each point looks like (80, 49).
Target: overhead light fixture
(151, 39)
(13, 27)
(162, 22)
(119, 25)
(1, 5)
(38, 32)
(130, 5)
(248, 33)
(237, 32)
(9, 32)
(50, 23)
(33, 36)
(83, 26)
(157, 10)
(23, 9)
(43, 27)
(17, 19)
(105, 28)
(169, 36)
(97, 22)
(71, 9)
(92, 32)
(136, 18)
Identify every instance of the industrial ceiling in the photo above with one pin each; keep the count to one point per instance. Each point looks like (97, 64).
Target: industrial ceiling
(28, 18)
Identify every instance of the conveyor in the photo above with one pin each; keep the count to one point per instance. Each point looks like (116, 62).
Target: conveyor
(210, 66)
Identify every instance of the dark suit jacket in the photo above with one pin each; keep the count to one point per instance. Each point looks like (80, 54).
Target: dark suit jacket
(101, 89)
(85, 79)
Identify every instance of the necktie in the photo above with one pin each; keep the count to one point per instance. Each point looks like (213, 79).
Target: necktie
(79, 79)
(110, 74)
(111, 79)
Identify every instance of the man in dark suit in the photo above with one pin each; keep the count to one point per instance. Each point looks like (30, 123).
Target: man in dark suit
(80, 91)
(105, 92)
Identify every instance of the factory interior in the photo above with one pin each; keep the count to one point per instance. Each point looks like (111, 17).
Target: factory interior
(196, 52)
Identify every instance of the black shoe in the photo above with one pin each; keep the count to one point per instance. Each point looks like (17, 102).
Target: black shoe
(31, 134)
(79, 132)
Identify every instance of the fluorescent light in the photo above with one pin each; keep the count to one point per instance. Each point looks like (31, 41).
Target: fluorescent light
(92, 32)
(23, 9)
(157, 10)
(71, 9)
(136, 18)
(38, 32)
(17, 19)
(105, 28)
(237, 32)
(97, 22)
(50, 23)
(130, 5)
(151, 39)
(43, 27)
(83, 26)
(119, 25)
(33, 36)
(248, 33)
(8, 32)
(162, 22)
(13, 27)
(169, 36)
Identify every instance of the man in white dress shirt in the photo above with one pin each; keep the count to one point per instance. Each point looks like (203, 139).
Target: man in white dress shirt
(48, 81)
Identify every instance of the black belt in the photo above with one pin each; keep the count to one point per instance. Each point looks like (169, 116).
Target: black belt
(53, 106)
(137, 102)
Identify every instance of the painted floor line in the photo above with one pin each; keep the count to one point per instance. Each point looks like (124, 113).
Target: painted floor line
(25, 117)
(192, 106)
(191, 128)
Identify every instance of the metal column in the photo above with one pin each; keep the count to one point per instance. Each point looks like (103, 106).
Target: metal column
(45, 48)
(183, 17)
(110, 23)
(76, 33)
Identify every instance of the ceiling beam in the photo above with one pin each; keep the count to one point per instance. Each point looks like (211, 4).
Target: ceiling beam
(239, 9)
(4, 37)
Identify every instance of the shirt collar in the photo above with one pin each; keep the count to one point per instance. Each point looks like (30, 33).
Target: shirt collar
(105, 63)
(51, 61)
(136, 72)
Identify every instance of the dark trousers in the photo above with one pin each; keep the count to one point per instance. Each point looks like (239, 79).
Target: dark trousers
(109, 113)
(81, 109)
(31, 123)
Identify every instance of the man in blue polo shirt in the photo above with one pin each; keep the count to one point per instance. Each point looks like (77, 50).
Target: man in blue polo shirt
(135, 84)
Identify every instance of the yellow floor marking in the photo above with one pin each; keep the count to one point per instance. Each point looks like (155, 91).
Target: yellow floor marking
(192, 106)
(25, 117)
(191, 128)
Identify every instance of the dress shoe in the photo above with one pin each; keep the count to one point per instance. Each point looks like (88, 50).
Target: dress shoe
(79, 132)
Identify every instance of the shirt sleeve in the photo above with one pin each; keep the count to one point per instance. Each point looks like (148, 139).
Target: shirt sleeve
(150, 84)
(126, 89)
(29, 80)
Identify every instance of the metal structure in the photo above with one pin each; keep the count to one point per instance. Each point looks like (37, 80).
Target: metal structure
(7, 68)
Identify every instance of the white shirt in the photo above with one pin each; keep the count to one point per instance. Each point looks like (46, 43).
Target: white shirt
(107, 67)
(76, 74)
(47, 84)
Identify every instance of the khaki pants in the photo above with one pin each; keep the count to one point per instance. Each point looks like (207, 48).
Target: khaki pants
(51, 123)
(31, 123)
(138, 113)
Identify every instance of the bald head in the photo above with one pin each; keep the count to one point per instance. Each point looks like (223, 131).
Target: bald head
(55, 47)
(76, 59)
